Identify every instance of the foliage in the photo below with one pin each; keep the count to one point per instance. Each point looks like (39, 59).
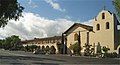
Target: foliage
(9, 9)
(1, 43)
(105, 49)
(52, 50)
(75, 47)
(47, 49)
(99, 49)
(60, 48)
(33, 47)
(117, 6)
(110, 55)
(11, 42)
(88, 50)
(30, 48)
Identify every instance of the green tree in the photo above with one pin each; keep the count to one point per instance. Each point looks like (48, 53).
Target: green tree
(60, 48)
(9, 9)
(75, 47)
(87, 51)
(1, 45)
(98, 49)
(52, 50)
(105, 49)
(26, 48)
(33, 47)
(117, 6)
(11, 42)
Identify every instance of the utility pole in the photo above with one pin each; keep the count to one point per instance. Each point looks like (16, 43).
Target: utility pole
(64, 41)
(79, 42)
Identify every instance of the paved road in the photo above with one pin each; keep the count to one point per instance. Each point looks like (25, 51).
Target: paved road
(25, 58)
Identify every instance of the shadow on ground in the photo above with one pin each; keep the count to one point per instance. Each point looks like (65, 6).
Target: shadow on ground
(55, 60)
(27, 60)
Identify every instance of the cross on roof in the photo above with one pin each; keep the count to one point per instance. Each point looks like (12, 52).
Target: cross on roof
(104, 7)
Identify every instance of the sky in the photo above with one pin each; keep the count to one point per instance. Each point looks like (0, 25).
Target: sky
(76, 10)
(44, 18)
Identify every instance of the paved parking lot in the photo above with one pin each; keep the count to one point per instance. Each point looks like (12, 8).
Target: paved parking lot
(25, 58)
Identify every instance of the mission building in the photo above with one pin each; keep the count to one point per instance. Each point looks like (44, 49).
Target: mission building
(104, 32)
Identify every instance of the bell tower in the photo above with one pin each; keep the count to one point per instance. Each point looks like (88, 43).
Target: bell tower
(105, 28)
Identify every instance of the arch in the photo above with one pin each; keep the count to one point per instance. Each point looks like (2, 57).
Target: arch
(39, 47)
(43, 47)
(52, 50)
(52, 46)
(75, 37)
(98, 27)
(118, 49)
(107, 25)
(103, 15)
(47, 48)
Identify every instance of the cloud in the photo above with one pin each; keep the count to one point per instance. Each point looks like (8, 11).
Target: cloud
(32, 25)
(118, 27)
(68, 17)
(89, 22)
(54, 5)
(32, 4)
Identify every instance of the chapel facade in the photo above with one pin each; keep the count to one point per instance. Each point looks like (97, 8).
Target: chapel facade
(103, 32)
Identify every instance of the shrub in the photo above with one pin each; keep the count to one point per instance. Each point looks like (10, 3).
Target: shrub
(30, 48)
(110, 55)
(105, 49)
(88, 50)
(52, 50)
(47, 49)
(76, 48)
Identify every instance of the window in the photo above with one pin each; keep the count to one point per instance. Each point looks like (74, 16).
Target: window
(75, 37)
(107, 25)
(98, 26)
(103, 15)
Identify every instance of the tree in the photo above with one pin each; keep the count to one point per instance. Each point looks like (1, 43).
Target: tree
(60, 48)
(52, 50)
(75, 47)
(33, 47)
(116, 3)
(11, 42)
(87, 51)
(1, 41)
(98, 49)
(9, 9)
(105, 49)
(26, 48)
